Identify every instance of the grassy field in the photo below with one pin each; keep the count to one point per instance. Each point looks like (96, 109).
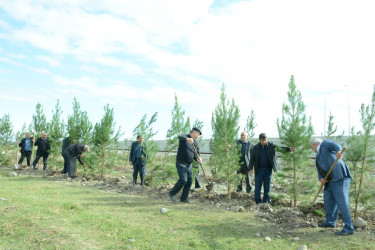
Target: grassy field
(40, 213)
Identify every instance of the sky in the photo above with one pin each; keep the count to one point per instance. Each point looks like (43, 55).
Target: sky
(136, 55)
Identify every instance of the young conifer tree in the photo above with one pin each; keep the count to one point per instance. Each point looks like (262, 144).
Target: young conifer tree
(79, 126)
(145, 128)
(295, 131)
(105, 136)
(331, 130)
(225, 128)
(368, 125)
(39, 121)
(250, 126)
(56, 131)
(6, 131)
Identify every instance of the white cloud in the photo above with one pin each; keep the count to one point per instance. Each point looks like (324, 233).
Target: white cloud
(50, 60)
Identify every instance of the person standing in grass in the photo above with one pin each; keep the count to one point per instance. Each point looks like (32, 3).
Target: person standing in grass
(185, 156)
(336, 187)
(72, 153)
(65, 144)
(244, 162)
(43, 150)
(263, 160)
(138, 158)
(26, 145)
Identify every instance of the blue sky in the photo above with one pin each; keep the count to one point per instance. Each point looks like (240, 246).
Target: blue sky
(135, 55)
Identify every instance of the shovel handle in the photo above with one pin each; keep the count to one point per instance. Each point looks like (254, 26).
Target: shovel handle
(196, 155)
(326, 177)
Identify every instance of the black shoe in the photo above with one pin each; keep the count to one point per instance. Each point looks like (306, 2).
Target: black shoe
(172, 197)
(248, 190)
(343, 233)
(186, 201)
(326, 225)
(73, 177)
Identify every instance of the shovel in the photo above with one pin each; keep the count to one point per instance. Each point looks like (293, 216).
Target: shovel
(326, 177)
(210, 186)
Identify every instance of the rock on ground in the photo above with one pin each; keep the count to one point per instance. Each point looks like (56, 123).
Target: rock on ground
(268, 239)
(163, 210)
(12, 174)
(303, 247)
(360, 223)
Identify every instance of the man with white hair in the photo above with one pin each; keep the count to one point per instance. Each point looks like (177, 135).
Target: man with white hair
(336, 187)
(43, 150)
(72, 153)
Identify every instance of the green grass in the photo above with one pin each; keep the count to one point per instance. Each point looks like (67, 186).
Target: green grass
(41, 213)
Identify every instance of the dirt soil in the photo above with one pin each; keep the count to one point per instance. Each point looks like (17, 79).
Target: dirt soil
(279, 212)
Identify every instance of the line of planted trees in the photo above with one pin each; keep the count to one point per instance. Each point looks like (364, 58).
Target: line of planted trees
(294, 127)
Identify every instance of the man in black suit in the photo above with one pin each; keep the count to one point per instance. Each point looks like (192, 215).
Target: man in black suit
(72, 153)
(185, 156)
(138, 158)
(263, 160)
(26, 146)
(244, 162)
(65, 144)
(43, 150)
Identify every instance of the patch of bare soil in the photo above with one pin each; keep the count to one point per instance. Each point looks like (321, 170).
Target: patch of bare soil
(287, 217)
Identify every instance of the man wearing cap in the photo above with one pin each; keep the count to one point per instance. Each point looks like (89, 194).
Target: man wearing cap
(72, 153)
(185, 156)
(263, 160)
(138, 158)
(244, 162)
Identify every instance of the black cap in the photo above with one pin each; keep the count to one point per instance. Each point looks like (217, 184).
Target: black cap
(262, 136)
(197, 129)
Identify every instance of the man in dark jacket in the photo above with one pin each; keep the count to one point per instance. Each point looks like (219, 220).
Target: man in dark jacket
(26, 146)
(65, 144)
(72, 153)
(184, 159)
(138, 158)
(43, 150)
(244, 162)
(263, 160)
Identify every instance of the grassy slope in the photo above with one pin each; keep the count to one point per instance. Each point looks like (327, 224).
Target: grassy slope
(41, 213)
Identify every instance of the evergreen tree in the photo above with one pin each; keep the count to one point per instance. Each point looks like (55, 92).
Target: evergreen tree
(250, 126)
(79, 125)
(56, 129)
(104, 135)
(295, 131)
(39, 121)
(368, 125)
(6, 131)
(225, 128)
(331, 130)
(178, 126)
(145, 129)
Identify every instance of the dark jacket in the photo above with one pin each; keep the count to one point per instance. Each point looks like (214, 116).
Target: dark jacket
(76, 150)
(23, 143)
(185, 151)
(271, 154)
(65, 144)
(133, 152)
(43, 146)
(249, 146)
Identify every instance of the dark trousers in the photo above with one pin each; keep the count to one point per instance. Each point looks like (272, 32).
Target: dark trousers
(71, 161)
(197, 179)
(244, 171)
(336, 197)
(66, 169)
(45, 160)
(185, 173)
(140, 167)
(26, 154)
(262, 177)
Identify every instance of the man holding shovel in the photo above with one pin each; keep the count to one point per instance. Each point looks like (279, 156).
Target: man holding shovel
(185, 155)
(72, 153)
(336, 186)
